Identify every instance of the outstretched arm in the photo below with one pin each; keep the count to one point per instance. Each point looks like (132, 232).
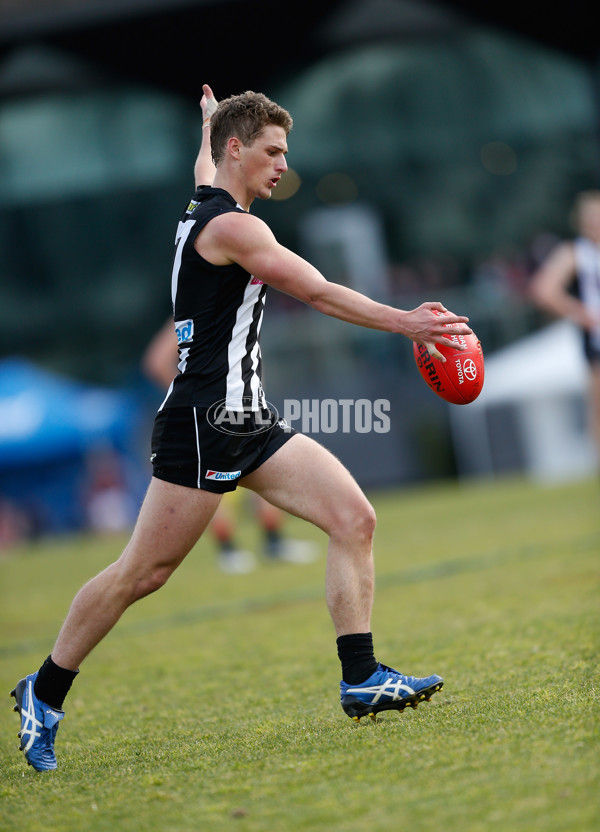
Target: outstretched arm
(247, 240)
(204, 169)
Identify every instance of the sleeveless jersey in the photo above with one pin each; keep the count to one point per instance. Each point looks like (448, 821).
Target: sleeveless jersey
(218, 314)
(587, 258)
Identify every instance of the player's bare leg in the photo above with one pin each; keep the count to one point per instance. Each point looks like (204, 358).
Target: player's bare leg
(171, 520)
(306, 480)
(594, 406)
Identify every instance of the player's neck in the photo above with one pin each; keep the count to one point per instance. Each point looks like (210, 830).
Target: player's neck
(228, 181)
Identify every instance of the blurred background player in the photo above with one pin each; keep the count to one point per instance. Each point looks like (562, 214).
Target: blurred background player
(568, 285)
(160, 365)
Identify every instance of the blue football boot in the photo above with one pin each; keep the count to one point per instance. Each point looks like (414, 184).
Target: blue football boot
(387, 690)
(39, 724)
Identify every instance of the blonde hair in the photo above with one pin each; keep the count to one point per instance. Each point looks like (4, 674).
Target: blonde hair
(582, 201)
(244, 116)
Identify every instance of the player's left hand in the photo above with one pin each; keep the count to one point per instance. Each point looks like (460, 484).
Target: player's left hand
(208, 105)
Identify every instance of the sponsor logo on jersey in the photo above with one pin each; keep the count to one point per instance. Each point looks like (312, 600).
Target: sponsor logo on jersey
(256, 282)
(184, 330)
(222, 475)
(193, 204)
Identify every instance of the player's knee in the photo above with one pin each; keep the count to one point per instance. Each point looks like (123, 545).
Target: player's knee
(154, 580)
(356, 520)
(367, 520)
(136, 587)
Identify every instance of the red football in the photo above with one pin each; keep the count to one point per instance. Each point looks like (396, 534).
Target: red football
(459, 380)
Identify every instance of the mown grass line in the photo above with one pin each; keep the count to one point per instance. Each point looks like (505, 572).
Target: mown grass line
(422, 574)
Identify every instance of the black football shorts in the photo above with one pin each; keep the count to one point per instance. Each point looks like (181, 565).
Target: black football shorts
(591, 348)
(191, 447)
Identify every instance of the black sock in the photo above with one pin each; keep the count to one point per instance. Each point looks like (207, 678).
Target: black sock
(53, 683)
(272, 541)
(356, 655)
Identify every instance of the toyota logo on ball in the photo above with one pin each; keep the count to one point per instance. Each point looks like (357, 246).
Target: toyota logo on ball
(470, 369)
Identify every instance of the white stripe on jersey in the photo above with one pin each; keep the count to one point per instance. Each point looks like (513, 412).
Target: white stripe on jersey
(169, 391)
(255, 382)
(588, 273)
(234, 397)
(183, 359)
(183, 232)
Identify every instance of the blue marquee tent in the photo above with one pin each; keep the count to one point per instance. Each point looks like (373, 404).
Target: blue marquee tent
(50, 428)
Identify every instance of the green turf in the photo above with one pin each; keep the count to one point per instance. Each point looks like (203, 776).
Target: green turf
(214, 704)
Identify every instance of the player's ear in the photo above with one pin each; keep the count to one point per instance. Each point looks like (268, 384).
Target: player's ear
(233, 146)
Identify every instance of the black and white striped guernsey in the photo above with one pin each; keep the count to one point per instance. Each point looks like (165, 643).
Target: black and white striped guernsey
(587, 255)
(218, 314)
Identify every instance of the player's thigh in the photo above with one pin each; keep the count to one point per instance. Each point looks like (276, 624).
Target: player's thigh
(594, 399)
(306, 480)
(171, 520)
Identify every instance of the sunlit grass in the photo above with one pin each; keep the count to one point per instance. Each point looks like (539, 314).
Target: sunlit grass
(214, 703)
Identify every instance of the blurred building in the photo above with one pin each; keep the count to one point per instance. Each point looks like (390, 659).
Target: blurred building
(453, 135)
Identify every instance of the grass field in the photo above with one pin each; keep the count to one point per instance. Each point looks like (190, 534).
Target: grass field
(214, 704)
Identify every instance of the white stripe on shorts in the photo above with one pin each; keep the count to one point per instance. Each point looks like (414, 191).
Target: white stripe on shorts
(198, 449)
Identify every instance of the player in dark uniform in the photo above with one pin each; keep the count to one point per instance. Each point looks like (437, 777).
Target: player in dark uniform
(568, 285)
(160, 364)
(215, 430)
(218, 313)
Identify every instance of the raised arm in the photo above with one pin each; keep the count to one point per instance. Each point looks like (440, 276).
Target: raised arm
(247, 240)
(204, 169)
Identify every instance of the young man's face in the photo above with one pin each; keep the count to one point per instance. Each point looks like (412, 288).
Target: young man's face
(264, 160)
(589, 220)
